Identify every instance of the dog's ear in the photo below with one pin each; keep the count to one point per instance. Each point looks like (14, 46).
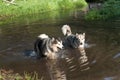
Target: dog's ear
(77, 34)
(83, 34)
(59, 39)
(52, 39)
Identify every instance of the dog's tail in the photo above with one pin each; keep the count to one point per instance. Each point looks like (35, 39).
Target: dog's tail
(43, 36)
(38, 48)
(66, 30)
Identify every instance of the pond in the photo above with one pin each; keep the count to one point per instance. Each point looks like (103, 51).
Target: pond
(102, 51)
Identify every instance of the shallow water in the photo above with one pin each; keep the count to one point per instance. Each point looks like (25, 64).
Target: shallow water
(102, 38)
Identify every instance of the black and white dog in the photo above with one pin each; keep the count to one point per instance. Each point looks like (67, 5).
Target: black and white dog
(71, 40)
(47, 47)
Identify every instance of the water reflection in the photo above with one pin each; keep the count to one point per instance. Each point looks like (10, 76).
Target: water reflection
(75, 60)
(55, 71)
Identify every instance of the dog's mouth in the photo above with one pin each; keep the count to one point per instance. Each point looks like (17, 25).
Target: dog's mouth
(60, 48)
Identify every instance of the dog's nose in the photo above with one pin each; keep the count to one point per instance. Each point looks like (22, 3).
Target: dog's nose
(63, 47)
(81, 43)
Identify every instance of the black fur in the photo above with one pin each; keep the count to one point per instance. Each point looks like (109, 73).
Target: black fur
(40, 46)
(71, 42)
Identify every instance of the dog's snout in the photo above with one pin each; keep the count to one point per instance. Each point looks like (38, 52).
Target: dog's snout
(59, 47)
(63, 47)
(81, 43)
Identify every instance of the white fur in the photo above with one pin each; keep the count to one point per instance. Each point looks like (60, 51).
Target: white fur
(53, 55)
(60, 45)
(82, 39)
(65, 28)
(43, 36)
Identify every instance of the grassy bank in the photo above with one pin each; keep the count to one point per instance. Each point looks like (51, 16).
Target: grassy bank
(9, 75)
(111, 8)
(26, 7)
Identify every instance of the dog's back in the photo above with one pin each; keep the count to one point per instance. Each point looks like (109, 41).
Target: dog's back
(47, 47)
(71, 40)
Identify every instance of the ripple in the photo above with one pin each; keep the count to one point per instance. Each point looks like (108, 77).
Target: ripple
(117, 55)
(109, 78)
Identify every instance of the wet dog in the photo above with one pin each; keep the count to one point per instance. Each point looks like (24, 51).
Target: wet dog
(47, 47)
(71, 40)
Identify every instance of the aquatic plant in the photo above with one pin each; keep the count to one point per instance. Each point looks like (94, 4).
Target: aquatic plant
(110, 8)
(10, 75)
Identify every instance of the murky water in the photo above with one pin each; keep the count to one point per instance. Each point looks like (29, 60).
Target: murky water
(102, 53)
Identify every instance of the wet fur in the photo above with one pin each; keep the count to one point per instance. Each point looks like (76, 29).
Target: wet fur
(71, 40)
(46, 47)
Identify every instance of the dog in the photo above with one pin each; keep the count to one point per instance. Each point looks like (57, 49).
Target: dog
(71, 40)
(47, 47)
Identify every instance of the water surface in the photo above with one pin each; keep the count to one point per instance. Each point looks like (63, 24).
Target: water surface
(102, 37)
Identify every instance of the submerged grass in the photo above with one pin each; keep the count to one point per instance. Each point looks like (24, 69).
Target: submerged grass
(26, 7)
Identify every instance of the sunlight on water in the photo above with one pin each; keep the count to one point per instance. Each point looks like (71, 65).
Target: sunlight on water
(109, 78)
(117, 56)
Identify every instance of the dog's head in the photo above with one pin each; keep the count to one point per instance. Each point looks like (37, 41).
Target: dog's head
(81, 38)
(56, 44)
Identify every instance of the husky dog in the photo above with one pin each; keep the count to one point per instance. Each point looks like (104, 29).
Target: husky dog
(47, 47)
(71, 40)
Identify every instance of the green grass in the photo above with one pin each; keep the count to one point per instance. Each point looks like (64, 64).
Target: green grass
(9, 75)
(26, 7)
(111, 8)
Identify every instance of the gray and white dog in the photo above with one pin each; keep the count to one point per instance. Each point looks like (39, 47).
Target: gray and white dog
(47, 47)
(71, 40)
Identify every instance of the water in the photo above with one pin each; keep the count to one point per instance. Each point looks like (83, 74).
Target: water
(100, 62)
